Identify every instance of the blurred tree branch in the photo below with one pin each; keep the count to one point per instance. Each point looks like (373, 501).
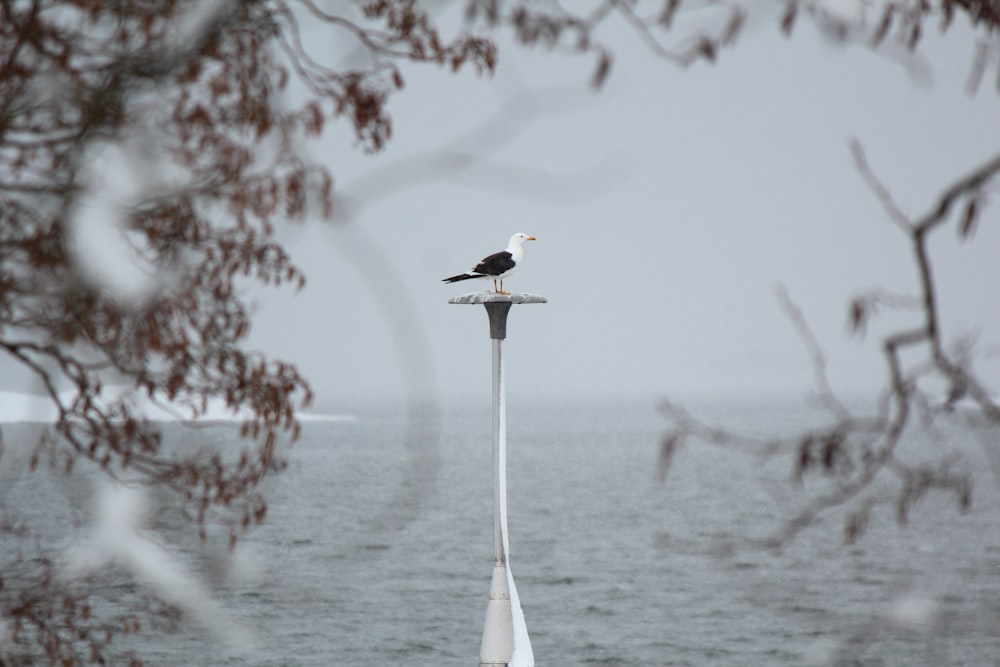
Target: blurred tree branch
(848, 454)
(685, 32)
(135, 206)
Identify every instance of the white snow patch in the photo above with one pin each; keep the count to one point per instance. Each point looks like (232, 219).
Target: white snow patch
(23, 407)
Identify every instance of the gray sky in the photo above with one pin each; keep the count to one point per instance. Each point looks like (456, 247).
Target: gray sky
(667, 208)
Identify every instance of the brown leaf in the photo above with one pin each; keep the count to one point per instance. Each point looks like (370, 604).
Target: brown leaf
(947, 14)
(733, 27)
(804, 460)
(601, 71)
(666, 17)
(859, 313)
(788, 18)
(914, 38)
(883, 26)
(856, 524)
(970, 216)
(668, 447)
(707, 48)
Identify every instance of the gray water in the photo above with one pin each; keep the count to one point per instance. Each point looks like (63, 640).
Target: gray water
(378, 551)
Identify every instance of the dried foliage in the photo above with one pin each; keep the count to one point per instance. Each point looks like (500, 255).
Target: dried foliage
(165, 128)
(685, 32)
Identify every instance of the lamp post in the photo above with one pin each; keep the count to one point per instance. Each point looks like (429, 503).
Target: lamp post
(505, 635)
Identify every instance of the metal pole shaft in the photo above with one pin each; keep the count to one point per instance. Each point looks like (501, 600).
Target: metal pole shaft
(499, 436)
(498, 633)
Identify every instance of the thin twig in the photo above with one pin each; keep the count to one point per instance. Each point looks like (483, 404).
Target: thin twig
(881, 192)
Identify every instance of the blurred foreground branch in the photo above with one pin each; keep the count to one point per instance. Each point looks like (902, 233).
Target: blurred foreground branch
(147, 153)
(849, 462)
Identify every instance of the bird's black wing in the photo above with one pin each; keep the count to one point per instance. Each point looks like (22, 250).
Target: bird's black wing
(495, 264)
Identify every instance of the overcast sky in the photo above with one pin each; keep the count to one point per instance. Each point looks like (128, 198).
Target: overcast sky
(667, 208)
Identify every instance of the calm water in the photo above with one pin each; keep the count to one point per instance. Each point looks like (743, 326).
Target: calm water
(376, 552)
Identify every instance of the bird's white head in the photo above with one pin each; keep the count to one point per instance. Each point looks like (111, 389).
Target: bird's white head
(520, 238)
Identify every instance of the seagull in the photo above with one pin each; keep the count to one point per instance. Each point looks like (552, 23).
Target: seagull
(499, 265)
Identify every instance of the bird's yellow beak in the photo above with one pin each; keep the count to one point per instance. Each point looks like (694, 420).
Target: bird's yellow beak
(532, 238)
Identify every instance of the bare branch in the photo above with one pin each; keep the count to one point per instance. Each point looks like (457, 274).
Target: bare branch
(855, 451)
(885, 198)
(825, 392)
(966, 186)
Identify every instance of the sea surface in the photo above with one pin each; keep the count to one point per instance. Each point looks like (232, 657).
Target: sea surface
(377, 550)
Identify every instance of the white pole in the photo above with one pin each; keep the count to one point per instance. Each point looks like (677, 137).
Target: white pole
(498, 632)
(505, 634)
(499, 450)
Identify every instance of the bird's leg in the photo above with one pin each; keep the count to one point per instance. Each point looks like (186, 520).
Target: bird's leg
(501, 288)
(495, 286)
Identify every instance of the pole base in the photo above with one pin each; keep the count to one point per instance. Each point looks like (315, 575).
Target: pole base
(498, 633)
